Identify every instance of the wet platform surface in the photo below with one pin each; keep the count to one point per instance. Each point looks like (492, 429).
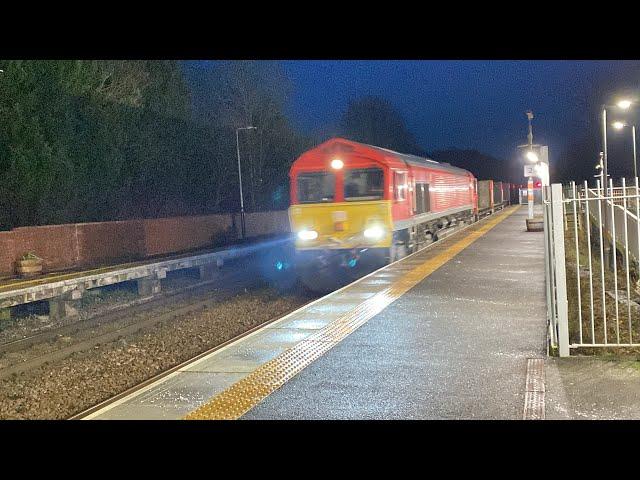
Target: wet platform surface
(454, 345)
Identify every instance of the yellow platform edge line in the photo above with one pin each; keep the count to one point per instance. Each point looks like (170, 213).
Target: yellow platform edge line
(245, 394)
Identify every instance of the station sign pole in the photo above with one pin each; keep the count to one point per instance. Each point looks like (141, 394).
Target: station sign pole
(530, 196)
(529, 173)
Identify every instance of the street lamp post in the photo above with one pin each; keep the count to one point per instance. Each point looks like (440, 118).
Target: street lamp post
(623, 105)
(240, 178)
(635, 162)
(620, 126)
(604, 151)
(531, 155)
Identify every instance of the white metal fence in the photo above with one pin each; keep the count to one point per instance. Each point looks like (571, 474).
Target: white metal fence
(592, 247)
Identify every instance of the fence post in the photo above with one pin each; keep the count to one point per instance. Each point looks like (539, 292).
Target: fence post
(559, 269)
(548, 279)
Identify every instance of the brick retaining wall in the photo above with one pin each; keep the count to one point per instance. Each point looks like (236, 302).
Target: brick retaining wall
(92, 244)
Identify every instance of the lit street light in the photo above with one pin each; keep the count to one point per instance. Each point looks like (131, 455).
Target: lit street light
(240, 178)
(532, 157)
(624, 104)
(620, 126)
(539, 156)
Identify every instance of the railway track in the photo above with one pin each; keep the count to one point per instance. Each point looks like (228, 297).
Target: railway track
(159, 376)
(122, 320)
(110, 314)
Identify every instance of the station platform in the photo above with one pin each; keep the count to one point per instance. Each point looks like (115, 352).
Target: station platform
(62, 288)
(445, 333)
(11, 283)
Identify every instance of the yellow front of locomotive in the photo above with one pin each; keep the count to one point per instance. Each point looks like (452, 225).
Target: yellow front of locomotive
(342, 225)
(338, 200)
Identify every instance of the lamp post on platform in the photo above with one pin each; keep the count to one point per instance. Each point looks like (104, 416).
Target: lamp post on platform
(620, 126)
(240, 178)
(623, 104)
(536, 164)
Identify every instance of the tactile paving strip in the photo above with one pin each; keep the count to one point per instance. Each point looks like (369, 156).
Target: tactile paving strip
(243, 395)
(534, 394)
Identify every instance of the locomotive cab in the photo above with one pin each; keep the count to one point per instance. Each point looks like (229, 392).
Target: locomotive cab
(341, 209)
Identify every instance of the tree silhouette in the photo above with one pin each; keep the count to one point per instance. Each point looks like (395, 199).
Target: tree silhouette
(374, 121)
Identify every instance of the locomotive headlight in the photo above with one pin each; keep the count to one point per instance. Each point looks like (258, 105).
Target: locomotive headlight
(375, 232)
(307, 234)
(337, 164)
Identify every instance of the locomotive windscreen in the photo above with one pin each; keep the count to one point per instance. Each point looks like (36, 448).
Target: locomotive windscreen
(363, 184)
(316, 187)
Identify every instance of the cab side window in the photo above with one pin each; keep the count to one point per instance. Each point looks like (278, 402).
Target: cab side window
(400, 186)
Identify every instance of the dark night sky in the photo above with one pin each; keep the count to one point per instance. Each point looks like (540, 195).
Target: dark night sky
(463, 104)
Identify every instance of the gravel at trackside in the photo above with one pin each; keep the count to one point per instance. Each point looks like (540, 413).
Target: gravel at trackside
(94, 303)
(60, 389)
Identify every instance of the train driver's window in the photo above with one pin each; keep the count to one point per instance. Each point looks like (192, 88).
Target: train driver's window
(363, 184)
(400, 186)
(316, 187)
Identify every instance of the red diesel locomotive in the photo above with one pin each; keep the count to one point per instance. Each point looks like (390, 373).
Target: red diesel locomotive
(355, 207)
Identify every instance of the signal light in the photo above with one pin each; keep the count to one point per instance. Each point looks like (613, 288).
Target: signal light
(538, 184)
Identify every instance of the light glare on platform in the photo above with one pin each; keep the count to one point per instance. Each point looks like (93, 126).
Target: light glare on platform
(307, 234)
(532, 157)
(624, 104)
(618, 125)
(337, 164)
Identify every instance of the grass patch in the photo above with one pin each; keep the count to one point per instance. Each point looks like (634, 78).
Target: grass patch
(596, 311)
